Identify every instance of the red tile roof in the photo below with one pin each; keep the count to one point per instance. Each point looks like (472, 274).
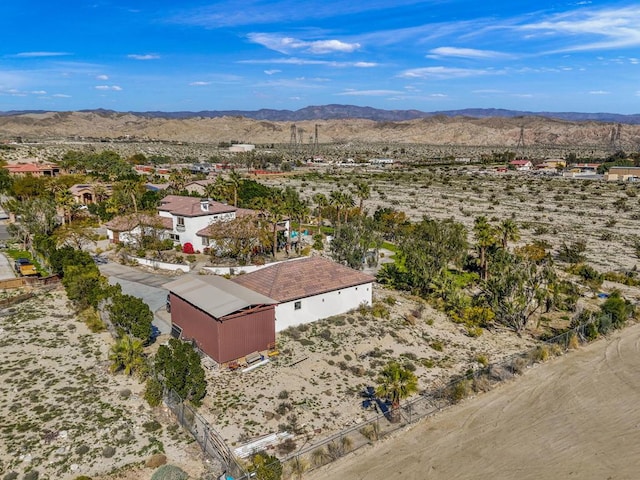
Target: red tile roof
(126, 223)
(190, 206)
(296, 279)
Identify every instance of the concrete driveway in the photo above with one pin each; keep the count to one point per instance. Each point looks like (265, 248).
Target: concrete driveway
(146, 286)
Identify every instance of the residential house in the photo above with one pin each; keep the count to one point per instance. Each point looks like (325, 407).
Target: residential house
(199, 186)
(129, 229)
(224, 319)
(186, 220)
(85, 194)
(309, 289)
(34, 169)
(521, 165)
(624, 174)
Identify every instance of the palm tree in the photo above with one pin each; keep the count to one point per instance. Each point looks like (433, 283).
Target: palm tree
(127, 354)
(485, 238)
(321, 201)
(509, 231)
(396, 383)
(363, 192)
(235, 181)
(131, 189)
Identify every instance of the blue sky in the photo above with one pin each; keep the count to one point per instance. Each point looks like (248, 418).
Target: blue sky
(404, 54)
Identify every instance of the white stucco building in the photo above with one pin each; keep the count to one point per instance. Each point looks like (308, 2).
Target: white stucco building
(180, 218)
(310, 289)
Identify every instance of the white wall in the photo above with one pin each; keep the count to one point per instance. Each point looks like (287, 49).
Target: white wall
(322, 306)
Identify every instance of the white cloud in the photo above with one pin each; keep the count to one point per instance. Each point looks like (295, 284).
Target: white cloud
(599, 92)
(465, 53)
(199, 84)
(60, 95)
(40, 54)
(115, 88)
(370, 93)
(438, 95)
(288, 45)
(613, 28)
(102, 77)
(443, 73)
(365, 64)
(304, 61)
(272, 72)
(147, 56)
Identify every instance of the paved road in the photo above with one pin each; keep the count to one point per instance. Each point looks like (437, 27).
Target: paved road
(146, 286)
(6, 268)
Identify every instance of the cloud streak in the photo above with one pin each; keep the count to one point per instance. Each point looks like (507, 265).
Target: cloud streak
(288, 45)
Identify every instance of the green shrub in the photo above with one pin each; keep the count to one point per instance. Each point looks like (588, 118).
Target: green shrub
(82, 449)
(108, 452)
(153, 392)
(31, 475)
(151, 426)
(169, 472)
(459, 391)
(10, 476)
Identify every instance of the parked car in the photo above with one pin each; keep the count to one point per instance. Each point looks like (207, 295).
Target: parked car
(25, 268)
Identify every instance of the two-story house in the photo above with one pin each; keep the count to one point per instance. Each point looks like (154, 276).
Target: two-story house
(183, 219)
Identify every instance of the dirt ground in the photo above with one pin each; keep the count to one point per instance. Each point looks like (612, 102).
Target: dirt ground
(63, 414)
(577, 416)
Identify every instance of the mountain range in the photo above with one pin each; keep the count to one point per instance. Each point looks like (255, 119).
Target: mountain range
(338, 112)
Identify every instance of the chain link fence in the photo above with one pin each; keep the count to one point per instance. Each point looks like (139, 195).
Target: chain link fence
(314, 455)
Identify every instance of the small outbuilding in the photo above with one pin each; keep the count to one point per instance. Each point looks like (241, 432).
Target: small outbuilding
(225, 320)
(309, 289)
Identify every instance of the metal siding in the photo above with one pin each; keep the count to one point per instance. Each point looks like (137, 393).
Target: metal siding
(197, 325)
(252, 332)
(228, 339)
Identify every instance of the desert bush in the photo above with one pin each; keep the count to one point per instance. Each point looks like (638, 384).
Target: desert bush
(482, 384)
(482, 360)
(338, 448)
(378, 310)
(459, 390)
(108, 452)
(573, 342)
(83, 477)
(371, 432)
(540, 353)
(10, 476)
(283, 395)
(169, 472)
(151, 426)
(437, 345)
(82, 449)
(286, 447)
(31, 475)
(156, 460)
(319, 457)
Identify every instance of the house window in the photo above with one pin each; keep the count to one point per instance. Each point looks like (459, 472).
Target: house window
(180, 221)
(174, 237)
(205, 242)
(297, 305)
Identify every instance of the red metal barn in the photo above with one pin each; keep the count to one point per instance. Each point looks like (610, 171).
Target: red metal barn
(226, 320)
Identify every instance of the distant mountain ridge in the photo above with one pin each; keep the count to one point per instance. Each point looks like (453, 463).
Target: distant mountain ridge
(340, 112)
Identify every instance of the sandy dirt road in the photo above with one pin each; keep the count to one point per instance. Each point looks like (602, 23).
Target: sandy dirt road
(577, 416)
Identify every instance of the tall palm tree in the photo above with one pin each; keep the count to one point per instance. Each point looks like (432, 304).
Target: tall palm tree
(508, 230)
(485, 238)
(363, 192)
(396, 383)
(322, 202)
(132, 189)
(127, 354)
(235, 181)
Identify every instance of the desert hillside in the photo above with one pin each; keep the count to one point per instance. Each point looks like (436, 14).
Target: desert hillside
(438, 130)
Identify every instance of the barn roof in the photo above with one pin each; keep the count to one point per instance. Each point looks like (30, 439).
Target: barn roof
(287, 281)
(216, 295)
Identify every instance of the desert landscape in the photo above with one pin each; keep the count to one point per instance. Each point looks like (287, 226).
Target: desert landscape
(82, 420)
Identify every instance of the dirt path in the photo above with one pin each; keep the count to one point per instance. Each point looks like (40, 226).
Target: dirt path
(575, 417)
